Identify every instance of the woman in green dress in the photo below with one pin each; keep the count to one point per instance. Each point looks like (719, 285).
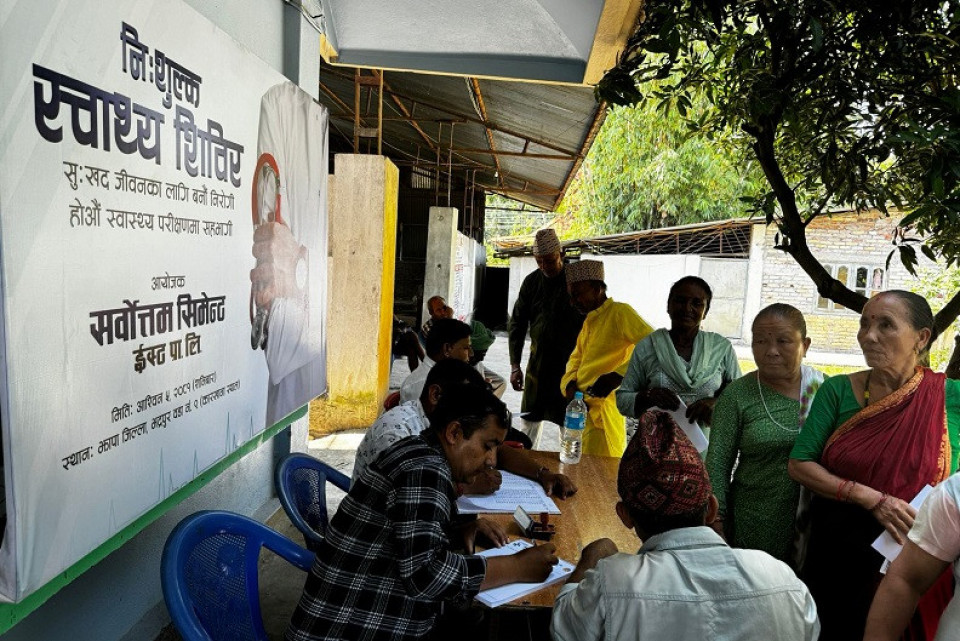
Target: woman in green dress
(755, 422)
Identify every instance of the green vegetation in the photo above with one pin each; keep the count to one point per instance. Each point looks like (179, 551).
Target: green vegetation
(648, 168)
(841, 104)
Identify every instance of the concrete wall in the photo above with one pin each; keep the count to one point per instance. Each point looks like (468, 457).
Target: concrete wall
(120, 598)
(363, 240)
(471, 257)
(644, 281)
(256, 24)
(641, 281)
(519, 268)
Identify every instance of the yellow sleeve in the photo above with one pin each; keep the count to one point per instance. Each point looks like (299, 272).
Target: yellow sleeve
(634, 330)
(573, 363)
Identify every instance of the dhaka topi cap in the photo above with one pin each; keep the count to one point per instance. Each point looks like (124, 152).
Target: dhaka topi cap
(582, 270)
(661, 471)
(546, 242)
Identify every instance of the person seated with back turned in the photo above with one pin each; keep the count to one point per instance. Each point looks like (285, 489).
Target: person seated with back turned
(413, 417)
(685, 583)
(387, 560)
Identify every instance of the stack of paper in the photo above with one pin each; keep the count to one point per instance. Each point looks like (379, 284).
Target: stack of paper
(506, 593)
(514, 490)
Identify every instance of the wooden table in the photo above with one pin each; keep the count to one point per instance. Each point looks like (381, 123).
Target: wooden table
(588, 515)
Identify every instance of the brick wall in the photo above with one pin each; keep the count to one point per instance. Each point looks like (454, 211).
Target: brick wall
(848, 239)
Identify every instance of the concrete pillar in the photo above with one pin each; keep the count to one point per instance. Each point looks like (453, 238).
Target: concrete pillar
(441, 255)
(363, 239)
(301, 51)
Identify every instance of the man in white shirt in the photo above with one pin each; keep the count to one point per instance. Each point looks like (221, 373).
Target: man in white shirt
(932, 545)
(412, 417)
(449, 338)
(685, 583)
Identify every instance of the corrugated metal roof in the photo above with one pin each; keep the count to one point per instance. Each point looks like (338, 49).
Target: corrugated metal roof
(523, 140)
(715, 238)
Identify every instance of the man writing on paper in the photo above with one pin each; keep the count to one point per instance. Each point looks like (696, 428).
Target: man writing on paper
(599, 361)
(411, 418)
(685, 583)
(387, 561)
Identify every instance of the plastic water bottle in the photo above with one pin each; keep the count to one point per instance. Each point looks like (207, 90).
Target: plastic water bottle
(573, 425)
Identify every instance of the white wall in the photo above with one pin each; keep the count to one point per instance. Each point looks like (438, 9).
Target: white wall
(120, 598)
(644, 282)
(471, 256)
(519, 268)
(256, 24)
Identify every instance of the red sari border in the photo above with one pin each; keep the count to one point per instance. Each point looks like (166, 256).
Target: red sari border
(902, 395)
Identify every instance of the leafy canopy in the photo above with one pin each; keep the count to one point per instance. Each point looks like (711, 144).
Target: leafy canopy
(851, 103)
(648, 169)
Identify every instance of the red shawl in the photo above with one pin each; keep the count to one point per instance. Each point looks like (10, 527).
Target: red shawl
(898, 444)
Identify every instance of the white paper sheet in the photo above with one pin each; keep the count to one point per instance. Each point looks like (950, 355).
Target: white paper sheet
(496, 597)
(691, 429)
(514, 490)
(886, 545)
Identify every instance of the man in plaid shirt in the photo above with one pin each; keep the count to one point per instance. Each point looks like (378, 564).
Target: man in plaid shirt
(386, 562)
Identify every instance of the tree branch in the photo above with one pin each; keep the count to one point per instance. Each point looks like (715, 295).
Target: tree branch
(946, 316)
(793, 226)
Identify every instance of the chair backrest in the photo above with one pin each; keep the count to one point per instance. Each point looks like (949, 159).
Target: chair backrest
(300, 482)
(209, 575)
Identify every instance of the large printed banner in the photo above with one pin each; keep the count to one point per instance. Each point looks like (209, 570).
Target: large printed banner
(163, 247)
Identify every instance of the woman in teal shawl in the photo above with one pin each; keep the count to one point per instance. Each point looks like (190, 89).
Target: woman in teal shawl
(682, 363)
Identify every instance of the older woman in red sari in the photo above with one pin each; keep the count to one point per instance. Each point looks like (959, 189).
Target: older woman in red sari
(872, 441)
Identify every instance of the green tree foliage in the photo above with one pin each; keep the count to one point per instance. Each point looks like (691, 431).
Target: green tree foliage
(937, 285)
(648, 169)
(844, 103)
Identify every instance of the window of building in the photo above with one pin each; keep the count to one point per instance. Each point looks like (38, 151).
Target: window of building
(866, 280)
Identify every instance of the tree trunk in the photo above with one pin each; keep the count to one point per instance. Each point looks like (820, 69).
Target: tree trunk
(793, 227)
(953, 367)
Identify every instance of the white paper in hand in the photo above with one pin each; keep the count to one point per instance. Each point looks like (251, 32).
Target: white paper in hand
(691, 429)
(496, 597)
(886, 545)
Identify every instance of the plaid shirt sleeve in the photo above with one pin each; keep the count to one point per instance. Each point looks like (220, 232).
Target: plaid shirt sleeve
(420, 509)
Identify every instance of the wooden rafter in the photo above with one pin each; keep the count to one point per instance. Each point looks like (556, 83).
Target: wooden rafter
(482, 108)
(470, 118)
(408, 113)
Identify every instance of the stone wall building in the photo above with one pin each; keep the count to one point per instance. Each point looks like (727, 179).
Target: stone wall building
(854, 249)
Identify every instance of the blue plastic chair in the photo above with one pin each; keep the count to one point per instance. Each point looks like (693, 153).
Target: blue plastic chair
(209, 575)
(300, 482)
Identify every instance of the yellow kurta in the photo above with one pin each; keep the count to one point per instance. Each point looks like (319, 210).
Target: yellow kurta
(604, 345)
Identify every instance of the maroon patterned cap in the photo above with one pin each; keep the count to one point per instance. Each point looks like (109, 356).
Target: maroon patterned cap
(661, 471)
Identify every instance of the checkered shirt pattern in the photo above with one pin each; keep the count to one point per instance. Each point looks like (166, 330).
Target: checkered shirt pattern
(385, 564)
